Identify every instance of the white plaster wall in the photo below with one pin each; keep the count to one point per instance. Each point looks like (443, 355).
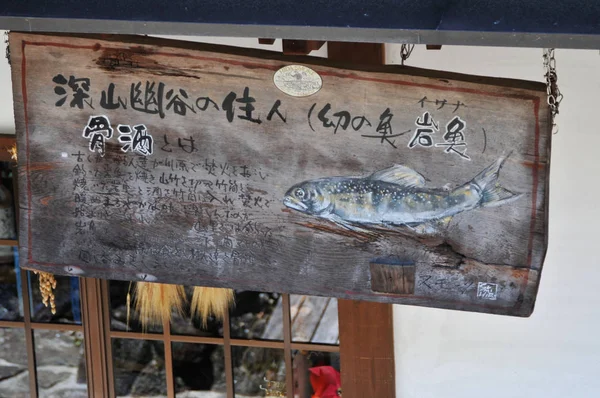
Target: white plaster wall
(555, 352)
(7, 120)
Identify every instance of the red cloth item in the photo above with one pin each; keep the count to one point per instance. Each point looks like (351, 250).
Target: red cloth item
(325, 382)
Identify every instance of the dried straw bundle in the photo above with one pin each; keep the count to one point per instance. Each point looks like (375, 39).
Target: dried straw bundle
(208, 301)
(13, 152)
(154, 302)
(47, 286)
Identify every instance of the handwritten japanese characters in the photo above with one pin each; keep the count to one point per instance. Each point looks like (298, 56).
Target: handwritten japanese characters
(454, 136)
(136, 140)
(142, 161)
(98, 131)
(155, 98)
(77, 90)
(137, 190)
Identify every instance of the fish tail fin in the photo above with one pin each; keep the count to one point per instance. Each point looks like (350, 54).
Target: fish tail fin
(492, 194)
(497, 195)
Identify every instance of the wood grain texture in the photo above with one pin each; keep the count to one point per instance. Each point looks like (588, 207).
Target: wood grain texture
(396, 279)
(367, 349)
(367, 358)
(211, 212)
(306, 322)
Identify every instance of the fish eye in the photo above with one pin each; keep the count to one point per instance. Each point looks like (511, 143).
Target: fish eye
(299, 193)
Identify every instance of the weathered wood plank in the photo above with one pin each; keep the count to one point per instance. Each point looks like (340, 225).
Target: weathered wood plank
(309, 315)
(328, 331)
(213, 204)
(274, 328)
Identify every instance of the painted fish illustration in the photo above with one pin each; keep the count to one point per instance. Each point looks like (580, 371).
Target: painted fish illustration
(395, 197)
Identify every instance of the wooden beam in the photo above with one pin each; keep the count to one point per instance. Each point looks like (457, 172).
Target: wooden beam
(356, 53)
(366, 329)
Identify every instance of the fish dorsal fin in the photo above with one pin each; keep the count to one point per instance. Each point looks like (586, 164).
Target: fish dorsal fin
(400, 175)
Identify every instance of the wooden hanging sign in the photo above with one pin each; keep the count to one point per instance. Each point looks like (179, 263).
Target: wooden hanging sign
(146, 159)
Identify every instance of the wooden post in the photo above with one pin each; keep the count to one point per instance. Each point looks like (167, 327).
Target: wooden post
(96, 325)
(366, 329)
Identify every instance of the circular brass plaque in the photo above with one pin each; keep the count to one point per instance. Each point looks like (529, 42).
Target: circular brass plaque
(297, 80)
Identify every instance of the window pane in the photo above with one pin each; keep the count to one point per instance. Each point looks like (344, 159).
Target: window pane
(118, 309)
(199, 370)
(257, 369)
(314, 319)
(66, 297)
(316, 374)
(257, 315)
(139, 368)
(60, 364)
(11, 303)
(188, 325)
(14, 376)
(7, 205)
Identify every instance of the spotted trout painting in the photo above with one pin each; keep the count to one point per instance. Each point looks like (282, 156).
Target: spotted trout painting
(376, 183)
(396, 196)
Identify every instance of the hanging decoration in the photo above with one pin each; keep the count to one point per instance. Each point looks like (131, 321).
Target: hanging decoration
(161, 162)
(13, 152)
(47, 284)
(155, 302)
(207, 301)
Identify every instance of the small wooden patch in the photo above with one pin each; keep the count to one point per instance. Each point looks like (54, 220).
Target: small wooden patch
(393, 278)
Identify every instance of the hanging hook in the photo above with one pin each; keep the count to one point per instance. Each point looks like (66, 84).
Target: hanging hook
(405, 51)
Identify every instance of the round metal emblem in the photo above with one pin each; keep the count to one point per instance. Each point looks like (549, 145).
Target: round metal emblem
(297, 80)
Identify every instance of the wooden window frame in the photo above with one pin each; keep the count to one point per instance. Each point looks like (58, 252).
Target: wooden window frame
(366, 329)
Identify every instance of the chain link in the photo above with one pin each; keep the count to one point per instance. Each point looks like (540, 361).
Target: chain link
(554, 94)
(7, 46)
(405, 51)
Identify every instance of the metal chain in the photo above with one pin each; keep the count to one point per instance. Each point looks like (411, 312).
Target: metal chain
(7, 47)
(554, 95)
(405, 51)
